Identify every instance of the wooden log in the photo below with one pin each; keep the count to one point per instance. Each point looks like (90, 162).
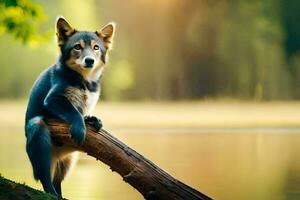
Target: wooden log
(151, 181)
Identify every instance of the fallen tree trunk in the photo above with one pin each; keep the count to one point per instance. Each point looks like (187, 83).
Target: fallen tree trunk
(151, 181)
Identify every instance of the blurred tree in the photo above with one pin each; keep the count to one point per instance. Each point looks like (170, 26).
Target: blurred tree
(22, 19)
(251, 50)
(291, 25)
(291, 19)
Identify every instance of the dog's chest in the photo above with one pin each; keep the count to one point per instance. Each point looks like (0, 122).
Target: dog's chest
(91, 101)
(84, 100)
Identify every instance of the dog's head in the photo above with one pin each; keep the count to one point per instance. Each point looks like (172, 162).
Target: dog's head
(83, 51)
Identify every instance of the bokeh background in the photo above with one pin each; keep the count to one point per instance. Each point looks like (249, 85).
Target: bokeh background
(208, 90)
(165, 50)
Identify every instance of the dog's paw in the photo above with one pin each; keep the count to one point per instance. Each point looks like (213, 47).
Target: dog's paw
(94, 122)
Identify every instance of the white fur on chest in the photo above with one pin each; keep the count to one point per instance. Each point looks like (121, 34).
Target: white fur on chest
(83, 100)
(91, 101)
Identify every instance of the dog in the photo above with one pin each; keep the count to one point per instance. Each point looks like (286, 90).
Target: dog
(69, 91)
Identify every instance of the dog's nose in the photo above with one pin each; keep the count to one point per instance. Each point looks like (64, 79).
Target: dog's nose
(89, 61)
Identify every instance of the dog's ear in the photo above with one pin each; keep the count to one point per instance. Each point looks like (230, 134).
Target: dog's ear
(63, 30)
(107, 34)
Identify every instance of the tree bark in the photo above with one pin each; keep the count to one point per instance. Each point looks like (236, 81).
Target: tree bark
(151, 181)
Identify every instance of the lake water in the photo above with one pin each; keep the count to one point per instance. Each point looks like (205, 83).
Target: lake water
(228, 164)
(224, 163)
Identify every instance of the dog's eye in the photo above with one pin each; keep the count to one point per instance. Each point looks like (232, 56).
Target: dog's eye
(77, 47)
(96, 47)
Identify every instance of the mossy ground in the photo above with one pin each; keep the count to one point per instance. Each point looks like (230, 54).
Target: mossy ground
(16, 191)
